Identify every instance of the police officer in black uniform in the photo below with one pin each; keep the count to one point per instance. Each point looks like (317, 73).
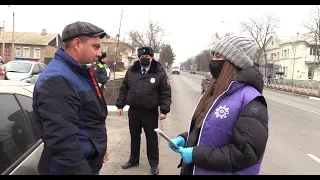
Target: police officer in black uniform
(145, 87)
(100, 71)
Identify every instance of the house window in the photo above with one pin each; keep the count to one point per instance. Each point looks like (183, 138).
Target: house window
(313, 51)
(18, 52)
(7, 52)
(26, 52)
(37, 53)
(310, 73)
(285, 69)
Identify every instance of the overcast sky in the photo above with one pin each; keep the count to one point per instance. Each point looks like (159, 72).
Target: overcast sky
(189, 28)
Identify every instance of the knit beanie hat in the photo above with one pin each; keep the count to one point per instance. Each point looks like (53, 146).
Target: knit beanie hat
(240, 51)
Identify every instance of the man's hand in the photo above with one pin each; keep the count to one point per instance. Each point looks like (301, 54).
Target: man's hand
(106, 157)
(120, 112)
(163, 116)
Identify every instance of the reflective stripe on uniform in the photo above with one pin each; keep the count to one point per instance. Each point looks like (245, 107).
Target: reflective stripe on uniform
(99, 64)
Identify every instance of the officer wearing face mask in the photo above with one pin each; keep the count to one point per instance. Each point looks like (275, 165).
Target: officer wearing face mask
(145, 87)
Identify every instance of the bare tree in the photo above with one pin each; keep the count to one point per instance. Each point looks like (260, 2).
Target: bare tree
(186, 64)
(152, 37)
(217, 36)
(294, 46)
(202, 60)
(313, 26)
(260, 31)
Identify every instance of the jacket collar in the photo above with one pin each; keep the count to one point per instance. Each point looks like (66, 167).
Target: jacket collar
(154, 67)
(73, 64)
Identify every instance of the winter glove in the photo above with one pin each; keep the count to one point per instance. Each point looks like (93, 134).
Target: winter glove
(186, 154)
(179, 141)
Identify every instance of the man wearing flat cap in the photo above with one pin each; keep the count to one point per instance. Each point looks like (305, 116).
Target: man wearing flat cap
(70, 108)
(144, 88)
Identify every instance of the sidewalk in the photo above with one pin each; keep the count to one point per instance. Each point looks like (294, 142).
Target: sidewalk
(118, 75)
(294, 89)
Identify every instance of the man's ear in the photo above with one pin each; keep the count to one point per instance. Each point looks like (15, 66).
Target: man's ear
(76, 43)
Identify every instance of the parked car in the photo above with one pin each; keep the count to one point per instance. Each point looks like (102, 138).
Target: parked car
(23, 70)
(20, 144)
(205, 81)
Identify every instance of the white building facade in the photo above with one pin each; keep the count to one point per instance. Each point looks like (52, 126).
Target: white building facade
(292, 57)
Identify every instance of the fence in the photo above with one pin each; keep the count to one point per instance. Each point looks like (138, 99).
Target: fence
(304, 87)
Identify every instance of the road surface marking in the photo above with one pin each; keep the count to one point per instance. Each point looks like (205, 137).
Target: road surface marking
(294, 106)
(314, 157)
(314, 98)
(114, 108)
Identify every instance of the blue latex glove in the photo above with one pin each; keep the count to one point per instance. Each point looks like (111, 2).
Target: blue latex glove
(179, 141)
(186, 154)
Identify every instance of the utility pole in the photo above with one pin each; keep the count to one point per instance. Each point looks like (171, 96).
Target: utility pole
(12, 49)
(118, 36)
(3, 43)
(149, 15)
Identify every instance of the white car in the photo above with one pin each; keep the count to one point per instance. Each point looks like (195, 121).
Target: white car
(175, 69)
(23, 70)
(20, 143)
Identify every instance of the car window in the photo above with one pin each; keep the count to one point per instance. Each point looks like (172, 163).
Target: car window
(19, 67)
(36, 69)
(42, 66)
(15, 135)
(26, 104)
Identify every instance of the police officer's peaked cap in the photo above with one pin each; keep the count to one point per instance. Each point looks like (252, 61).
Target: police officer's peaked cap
(103, 55)
(145, 51)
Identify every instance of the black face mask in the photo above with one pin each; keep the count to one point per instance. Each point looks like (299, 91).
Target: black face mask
(145, 62)
(215, 67)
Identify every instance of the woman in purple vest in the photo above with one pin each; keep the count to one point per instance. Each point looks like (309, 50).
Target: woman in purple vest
(228, 131)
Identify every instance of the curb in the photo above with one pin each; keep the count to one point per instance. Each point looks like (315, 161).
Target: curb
(296, 94)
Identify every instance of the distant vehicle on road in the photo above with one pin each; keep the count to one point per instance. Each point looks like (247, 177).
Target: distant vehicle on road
(205, 81)
(176, 69)
(20, 144)
(193, 68)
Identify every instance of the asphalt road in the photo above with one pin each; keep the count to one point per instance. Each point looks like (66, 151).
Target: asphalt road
(293, 146)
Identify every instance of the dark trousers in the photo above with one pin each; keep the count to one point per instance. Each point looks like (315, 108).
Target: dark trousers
(102, 88)
(148, 120)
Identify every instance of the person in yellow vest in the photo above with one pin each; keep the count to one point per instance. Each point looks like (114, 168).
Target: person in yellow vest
(100, 71)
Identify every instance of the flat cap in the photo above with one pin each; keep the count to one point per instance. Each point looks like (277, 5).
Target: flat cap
(79, 28)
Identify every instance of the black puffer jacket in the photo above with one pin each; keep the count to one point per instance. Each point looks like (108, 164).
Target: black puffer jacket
(250, 135)
(145, 91)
